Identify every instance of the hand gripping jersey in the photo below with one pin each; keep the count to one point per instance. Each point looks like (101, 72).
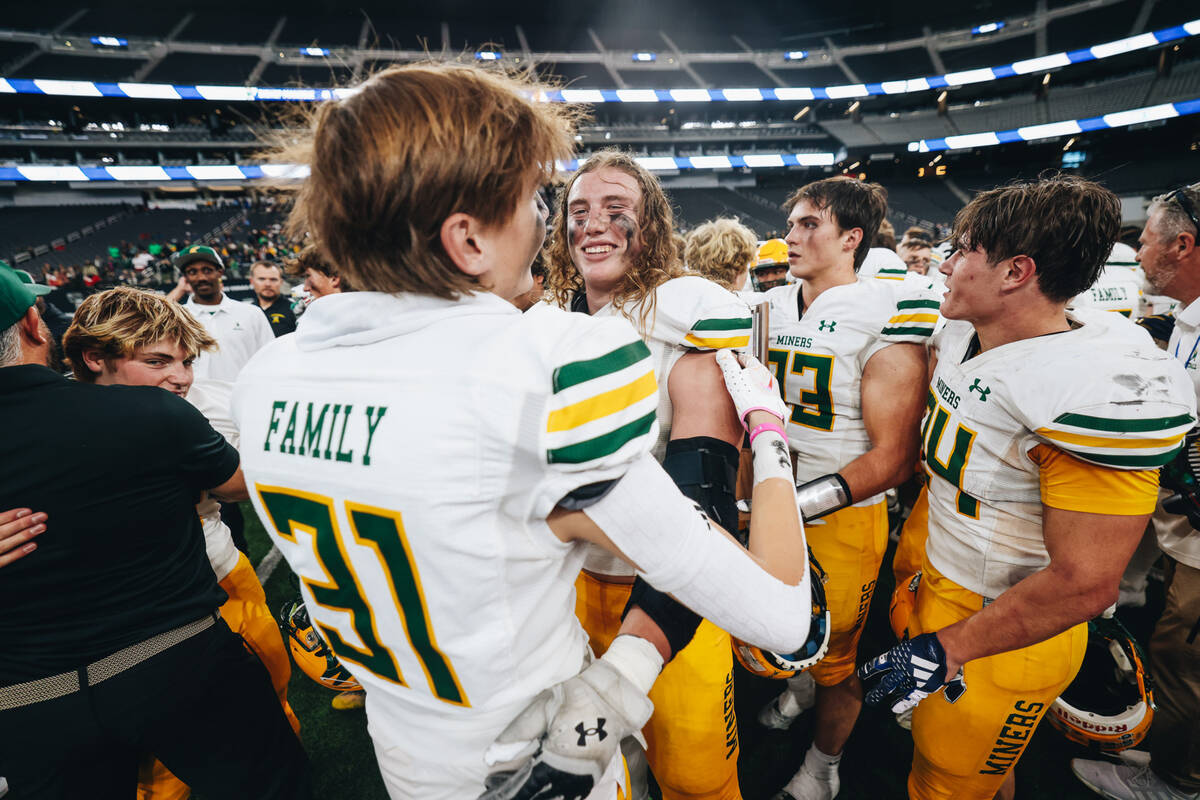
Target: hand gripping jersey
(818, 356)
(404, 452)
(687, 313)
(1101, 392)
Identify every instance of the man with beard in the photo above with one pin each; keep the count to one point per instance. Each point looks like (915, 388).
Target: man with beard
(266, 278)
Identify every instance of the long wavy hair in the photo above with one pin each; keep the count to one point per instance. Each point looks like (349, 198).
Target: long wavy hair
(655, 261)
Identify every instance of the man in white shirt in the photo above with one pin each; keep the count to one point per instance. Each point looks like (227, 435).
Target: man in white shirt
(1171, 259)
(239, 328)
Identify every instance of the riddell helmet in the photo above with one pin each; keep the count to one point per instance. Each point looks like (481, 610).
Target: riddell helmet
(310, 652)
(1110, 704)
(904, 601)
(768, 664)
(772, 254)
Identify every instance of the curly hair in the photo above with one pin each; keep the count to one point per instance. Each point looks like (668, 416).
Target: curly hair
(721, 250)
(654, 262)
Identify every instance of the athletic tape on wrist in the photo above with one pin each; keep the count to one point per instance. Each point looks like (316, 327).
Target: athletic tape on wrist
(771, 457)
(635, 658)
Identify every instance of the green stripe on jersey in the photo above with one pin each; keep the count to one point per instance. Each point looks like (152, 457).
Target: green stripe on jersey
(722, 324)
(1146, 461)
(1124, 425)
(891, 271)
(603, 445)
(578, 372)
(919, 304)
(908, 330)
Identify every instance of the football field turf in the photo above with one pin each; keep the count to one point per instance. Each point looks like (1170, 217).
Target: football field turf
(874, 766)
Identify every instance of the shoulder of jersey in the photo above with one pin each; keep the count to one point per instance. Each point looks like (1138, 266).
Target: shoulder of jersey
(883, 264)
(1111, 397)
(691, 311)
(603, 396)
(914, 311)
(782, 299)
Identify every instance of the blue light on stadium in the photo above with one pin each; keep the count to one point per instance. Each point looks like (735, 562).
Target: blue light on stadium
(987, 27)
(645, 56)
(1074, 158)
(488, 55)
(109, 41)
(795, 55)
(314, 52)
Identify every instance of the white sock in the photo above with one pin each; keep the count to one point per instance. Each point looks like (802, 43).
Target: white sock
(820, 764)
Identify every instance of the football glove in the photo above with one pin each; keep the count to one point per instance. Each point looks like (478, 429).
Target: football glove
(751, 385)
(910, 672)
(561, 744)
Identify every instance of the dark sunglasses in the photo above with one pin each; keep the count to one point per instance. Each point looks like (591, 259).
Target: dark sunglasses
(1179, 196)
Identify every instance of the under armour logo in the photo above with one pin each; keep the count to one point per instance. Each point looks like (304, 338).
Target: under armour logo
(586, 732)
(831, 323)
(983, 391)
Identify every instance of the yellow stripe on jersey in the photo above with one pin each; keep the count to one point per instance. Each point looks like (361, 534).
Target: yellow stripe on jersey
(1104, 441)
(913, 318)
(1074, 485)
(602, 405)
(717, 344)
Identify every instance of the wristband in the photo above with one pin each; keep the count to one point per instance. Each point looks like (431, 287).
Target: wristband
(766, 426)
(822, 496)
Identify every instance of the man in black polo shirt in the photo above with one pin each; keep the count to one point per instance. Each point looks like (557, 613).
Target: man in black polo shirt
(112, 648)
(266, 279)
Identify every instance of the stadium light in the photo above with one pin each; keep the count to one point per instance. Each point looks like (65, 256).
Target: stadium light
(488, 55)
(987, 27)
(109, 41)
(795, 55)
(314, 52)
(643, 57)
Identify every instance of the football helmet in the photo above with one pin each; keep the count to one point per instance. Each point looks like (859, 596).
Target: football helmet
(314, 658)
(772, 254)
(1110, 704)
(904, 602)
(768, 664)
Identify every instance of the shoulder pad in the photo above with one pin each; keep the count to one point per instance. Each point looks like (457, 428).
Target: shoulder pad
(915, 315)
(694, 312)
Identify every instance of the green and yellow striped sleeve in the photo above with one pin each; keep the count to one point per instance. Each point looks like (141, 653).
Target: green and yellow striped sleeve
(914, 320)
(602, 407)
(1123, 437)
(716, 333)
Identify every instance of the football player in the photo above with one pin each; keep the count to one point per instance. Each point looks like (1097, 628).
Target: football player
(132, 337)
(432, 459)
(1043, 436)
(722, 250)
(611, 255)
(771, 267)
(849, 355)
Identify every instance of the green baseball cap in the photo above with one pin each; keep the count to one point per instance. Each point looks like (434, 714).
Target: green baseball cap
(15, 298)
(197, 252)
(35, 288)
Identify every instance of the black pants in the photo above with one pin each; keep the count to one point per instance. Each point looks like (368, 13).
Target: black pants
(231, 515)
(205, 708)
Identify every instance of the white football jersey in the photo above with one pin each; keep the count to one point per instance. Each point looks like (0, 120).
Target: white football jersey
(883, 264)
(404, 452)
(1117, 289)
(818, 357)
(1101, 392)
(686, 313)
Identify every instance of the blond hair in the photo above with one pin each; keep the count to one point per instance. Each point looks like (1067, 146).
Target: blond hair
(656, 260)
(414, 145)
(721, 250)
(118, 321)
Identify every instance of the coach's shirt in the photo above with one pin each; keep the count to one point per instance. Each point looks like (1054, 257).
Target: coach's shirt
(240, 329)
(123, 555)
(280, 316)
(1179, 540)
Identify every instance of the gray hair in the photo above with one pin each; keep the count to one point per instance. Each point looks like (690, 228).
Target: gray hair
(10, 345)
(1174, 219)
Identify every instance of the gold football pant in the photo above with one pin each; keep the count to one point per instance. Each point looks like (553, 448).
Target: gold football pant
(850, 545)
(964, 750)
(906, 563)
(246, 614)
(692, 736)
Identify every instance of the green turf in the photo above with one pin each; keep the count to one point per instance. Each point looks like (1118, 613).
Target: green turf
(876, 759)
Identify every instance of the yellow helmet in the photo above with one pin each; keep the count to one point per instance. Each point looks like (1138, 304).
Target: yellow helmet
(314, 658)
(768, 664)
(772, 254)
